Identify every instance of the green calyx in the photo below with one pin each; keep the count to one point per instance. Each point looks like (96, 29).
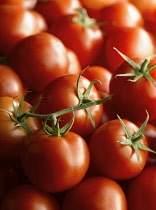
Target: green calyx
(55, 129)
(134, 140)
(142, 70)
(83, 19)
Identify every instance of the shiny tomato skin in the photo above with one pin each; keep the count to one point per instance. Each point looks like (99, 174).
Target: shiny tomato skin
(111, 158)
(141, 190)
(53, 10)
(122, 14)
(38, 59)
(29, 197)
(95, 193)
(141, 94)
(86, 42)
(16, 23)
(11, 135)
(62, 161)
(10, 83)
(131, 41)
(57, 97)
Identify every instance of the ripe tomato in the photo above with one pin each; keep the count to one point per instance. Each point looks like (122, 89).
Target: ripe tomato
(53, 10)
(122, 14)
(131, 99)
(57, 97)
(29, 197)
(29, 4)
(131, 41)
(11, 135)
(141, 190)
(16, 23)
(10, 83)
(95, 193)
(38, 59)
(86, 37)
(112, 158)
(54, 163)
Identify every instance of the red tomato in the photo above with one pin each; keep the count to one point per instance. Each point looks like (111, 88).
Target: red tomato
(38, 59)
(28, 197)
(29, 4)
(122, 14)
(53, 10)
(10, 83)
(12, 135)
(74, 63)
(110, 157)
(63, 161)
(133, 42)
(141, 190)
(131, 99)
(57, 97)
(95, 193)
(86, 39)
(16, 23)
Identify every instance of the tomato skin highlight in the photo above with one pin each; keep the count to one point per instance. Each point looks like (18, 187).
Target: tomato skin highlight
(111, 158)
(95, 193)
(55, 164)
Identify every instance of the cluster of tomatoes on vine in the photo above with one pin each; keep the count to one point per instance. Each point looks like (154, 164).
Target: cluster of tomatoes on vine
(77, 104)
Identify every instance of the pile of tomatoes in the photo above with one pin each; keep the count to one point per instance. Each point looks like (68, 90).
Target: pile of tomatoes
(77, 104)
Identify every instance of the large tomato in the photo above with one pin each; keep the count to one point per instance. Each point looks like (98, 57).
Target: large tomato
(141, 190)
(132, 41)
(55, 163)
(61, 93)
(16, 23)
(11, 134)
(38, 59)
(10, 83)
(112, 158)
(95, 193)
(29, 197)
(86, 37)
(131, 98)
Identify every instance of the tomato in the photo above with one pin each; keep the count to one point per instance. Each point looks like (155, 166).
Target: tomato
(112, 158)
(53, 10)
(23, 23)
(12, 135)
(131, 41)
(74, 63)
(38, 59)
(86, 37)
(130, 99)
(122, 14)
(57, 97)
(95, 193)
(29, 4)
(10, 83)
(29, 197)
(141, 190)
(53, 163)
